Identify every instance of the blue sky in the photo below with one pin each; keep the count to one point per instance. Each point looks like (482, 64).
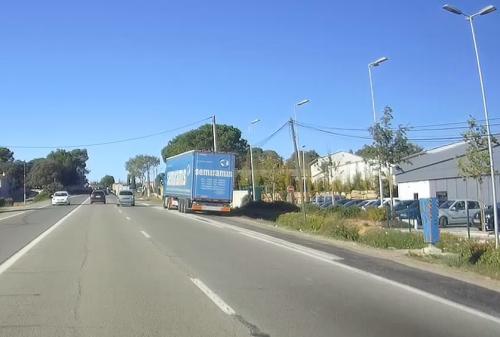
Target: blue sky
(94, 71)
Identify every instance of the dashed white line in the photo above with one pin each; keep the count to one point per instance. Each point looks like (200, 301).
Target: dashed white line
(9, 262)
(127, 217)
(146, 235)
(214, 297)
(119, 211)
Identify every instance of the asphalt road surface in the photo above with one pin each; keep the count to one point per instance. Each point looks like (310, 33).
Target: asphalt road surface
(144, 271)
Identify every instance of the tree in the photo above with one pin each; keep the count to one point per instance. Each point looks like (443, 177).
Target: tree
(107, 181)
(45, 174)
(390, 145)
(140, 166)
(228, 137)
(476, 162)
(6, 155)
(309, 156)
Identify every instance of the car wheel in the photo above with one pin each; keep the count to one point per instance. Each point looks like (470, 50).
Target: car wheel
(443, 221)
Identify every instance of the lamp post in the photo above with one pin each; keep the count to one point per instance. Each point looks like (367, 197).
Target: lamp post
(24, 182)
(252, 123)
(470, 18)
(376, 63)
(304, 170)
(300, 166)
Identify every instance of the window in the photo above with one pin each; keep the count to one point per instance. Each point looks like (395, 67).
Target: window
(125, 192)
(460, 205)
(415, 196)
(472, 204)
(441, 196)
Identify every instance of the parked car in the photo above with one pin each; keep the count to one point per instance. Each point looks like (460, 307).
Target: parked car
(453, 212)
(98, 196)
(408, 210)
(60, 198)
(126, 198)
(352, 203)
(387, 202)
(363, 203)
(488, 215)
(371, 204)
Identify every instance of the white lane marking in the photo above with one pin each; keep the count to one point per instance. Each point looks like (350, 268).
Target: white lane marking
(146, 235)
(119, 211)
(11, 260)
(127, 217)
(23, 211)
(145, 204)
(420, 292)
(315, 254)
(332, 260)
(318, 255)
(214, 297)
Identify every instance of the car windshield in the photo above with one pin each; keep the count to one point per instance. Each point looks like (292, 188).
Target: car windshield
(60, 194)
(447, 204)
(126, 193)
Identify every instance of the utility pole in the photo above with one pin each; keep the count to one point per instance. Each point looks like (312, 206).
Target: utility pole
(294, 139)
(214, 130)
(24, 182)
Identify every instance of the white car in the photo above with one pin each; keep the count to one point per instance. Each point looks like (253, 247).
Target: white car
(60, 198)
(454, 212)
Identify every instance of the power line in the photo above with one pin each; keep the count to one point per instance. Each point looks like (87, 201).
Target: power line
(108, 142)
(268, 138)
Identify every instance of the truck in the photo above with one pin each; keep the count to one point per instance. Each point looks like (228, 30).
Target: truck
(199, 181)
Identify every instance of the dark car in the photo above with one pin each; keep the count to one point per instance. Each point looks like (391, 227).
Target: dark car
(409, 210)
(98, 196)
(488, 215)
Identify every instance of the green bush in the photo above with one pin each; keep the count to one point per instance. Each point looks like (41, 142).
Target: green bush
(266, 210)
(375, 214)
(396, 239)
(337, 228)
(490, 260)
(470, 251)
(44, 195)
(349, 212)
(296, 221)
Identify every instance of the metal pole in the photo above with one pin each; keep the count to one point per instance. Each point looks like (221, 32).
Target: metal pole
(214, 130)
(24, 182)
(304, 173)
(253, 178)
(486, 118)
(381, 187)
(294, 139)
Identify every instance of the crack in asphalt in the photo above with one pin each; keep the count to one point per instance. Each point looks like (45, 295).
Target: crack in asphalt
(254, 330)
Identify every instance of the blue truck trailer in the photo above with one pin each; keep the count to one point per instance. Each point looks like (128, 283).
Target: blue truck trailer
(199, 181)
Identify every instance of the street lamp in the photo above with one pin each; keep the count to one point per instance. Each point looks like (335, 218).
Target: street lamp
(470, 18)
(376, 63)
(252, 123)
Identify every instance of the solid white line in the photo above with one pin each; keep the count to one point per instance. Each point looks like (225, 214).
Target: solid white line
(23, 211)
(420, 292)
(145, 204)
(127, 217)
(11, 260)
(214, 297)
(332, 260)
(146, 235)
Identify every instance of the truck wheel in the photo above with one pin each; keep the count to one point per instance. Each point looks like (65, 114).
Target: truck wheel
(179, 205)
(165, 203)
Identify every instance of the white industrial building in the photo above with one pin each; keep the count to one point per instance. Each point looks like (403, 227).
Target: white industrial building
(344, 167)
(435, 173)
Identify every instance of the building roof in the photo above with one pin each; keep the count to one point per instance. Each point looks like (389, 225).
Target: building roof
(437, 163)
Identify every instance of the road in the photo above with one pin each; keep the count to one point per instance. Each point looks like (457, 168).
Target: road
(144, 271)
